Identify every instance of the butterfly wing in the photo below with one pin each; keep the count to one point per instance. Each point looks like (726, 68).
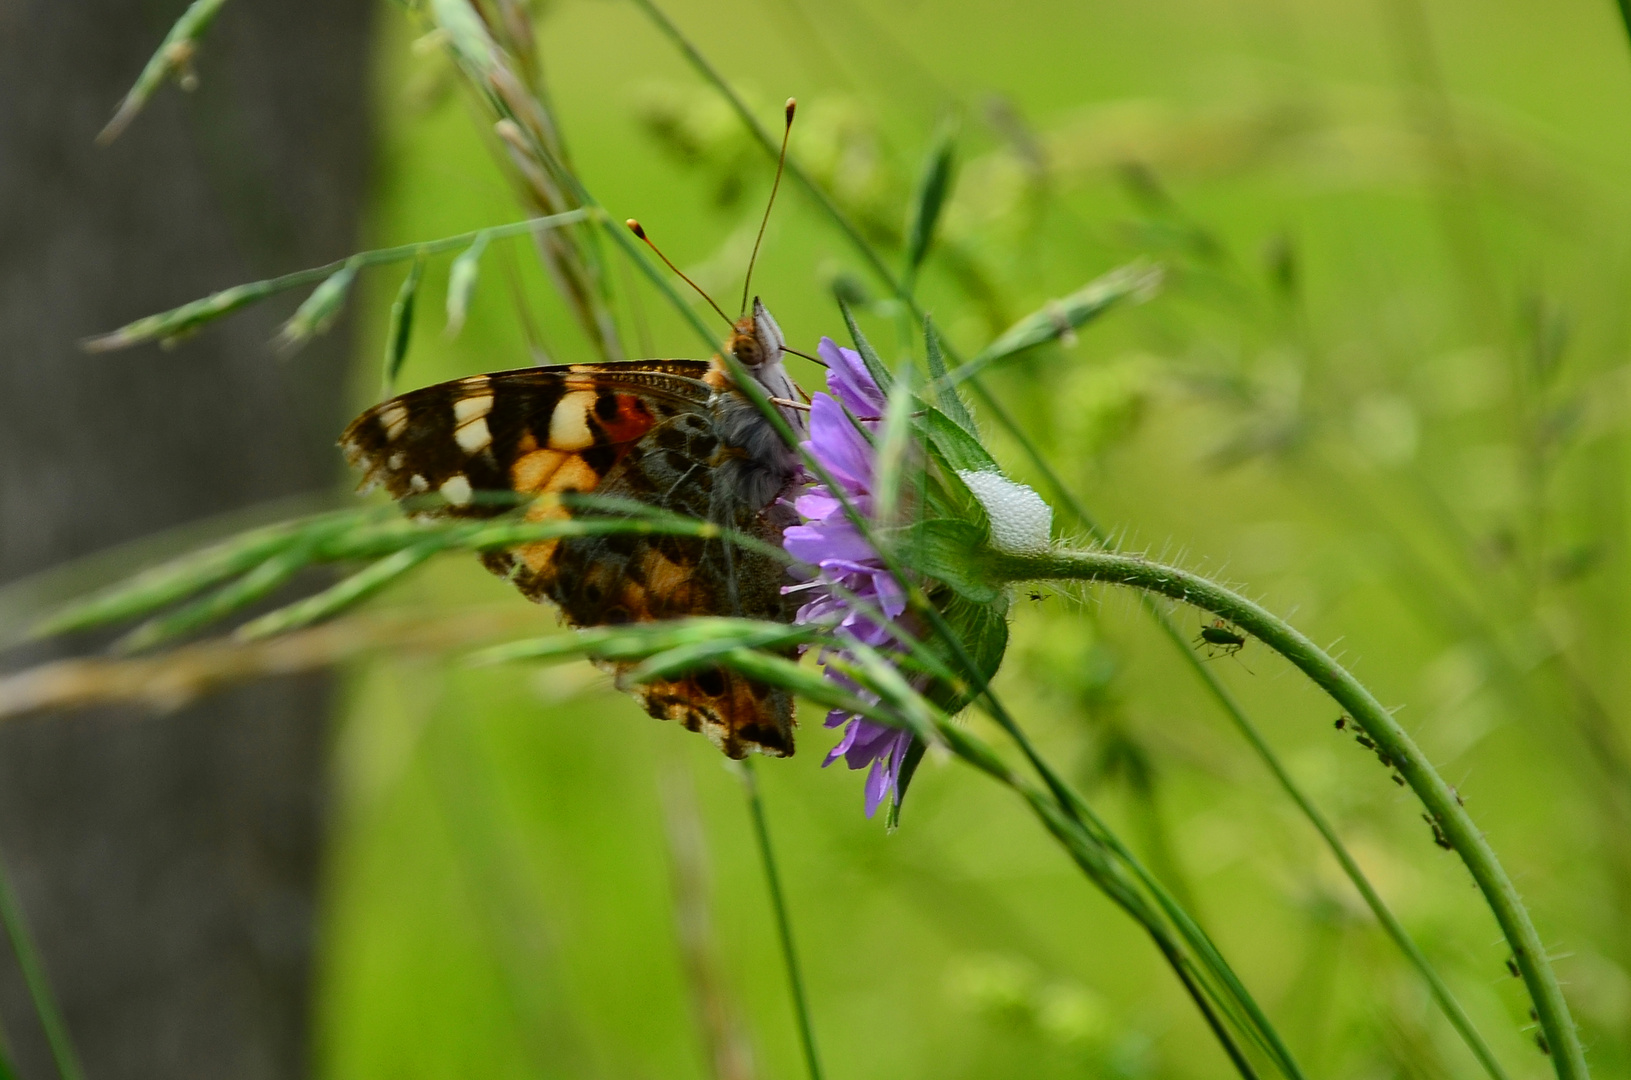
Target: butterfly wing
(647, 432)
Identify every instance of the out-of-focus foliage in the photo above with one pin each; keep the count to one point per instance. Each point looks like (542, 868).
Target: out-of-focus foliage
(1385, 386)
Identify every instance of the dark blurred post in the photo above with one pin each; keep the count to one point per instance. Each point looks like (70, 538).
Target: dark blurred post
(167, 864)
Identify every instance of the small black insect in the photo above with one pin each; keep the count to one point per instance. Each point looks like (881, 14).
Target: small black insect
(1540, 1041)
(1512, 968)
(1342, 722)
(1387, 762)
(1365, 741)
(1037, 595)
(1438, 833)
(1397, 779)
(1221, 638)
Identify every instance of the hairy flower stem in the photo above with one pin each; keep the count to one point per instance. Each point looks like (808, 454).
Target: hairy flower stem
(1074, 807)
(1249, 731)
(1445, 809)
(784, 924)
(1441, 992)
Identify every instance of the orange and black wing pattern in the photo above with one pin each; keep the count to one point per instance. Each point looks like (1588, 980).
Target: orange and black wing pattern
(643, 431)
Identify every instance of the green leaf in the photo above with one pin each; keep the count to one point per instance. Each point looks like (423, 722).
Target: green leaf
(319, 310)
(903, 779)
(337, 598)
(176, 580)
(174, 54)
(631, 642)
(960, 450)
(947, 551)
(869, 356)
(1061, 318)
(257, 584)
(951, 401)
(808, 684)
(982, 627)
(396, 343)
(686, 658)
(933, 186)
(461, 282)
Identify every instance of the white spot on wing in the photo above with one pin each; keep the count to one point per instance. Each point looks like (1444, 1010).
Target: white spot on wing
(456, 490)
(395, 418)
(418, 483)
(472, 408)
(474, 436)
(569, 426)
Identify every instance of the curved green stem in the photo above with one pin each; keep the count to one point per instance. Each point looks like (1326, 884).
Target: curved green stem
(1390, 923)
(1449, 817)
(1249, 731)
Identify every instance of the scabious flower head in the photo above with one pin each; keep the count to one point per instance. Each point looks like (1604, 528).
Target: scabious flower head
(848, 571)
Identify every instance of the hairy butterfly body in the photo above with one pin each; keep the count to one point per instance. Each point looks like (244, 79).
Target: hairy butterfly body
(673, 434)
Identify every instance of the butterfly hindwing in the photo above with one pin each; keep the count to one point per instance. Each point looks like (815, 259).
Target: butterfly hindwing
(646, 431)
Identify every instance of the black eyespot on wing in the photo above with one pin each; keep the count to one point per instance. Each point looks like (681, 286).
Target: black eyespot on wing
(710, 681)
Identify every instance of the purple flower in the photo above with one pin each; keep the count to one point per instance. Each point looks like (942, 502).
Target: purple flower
(828, 541)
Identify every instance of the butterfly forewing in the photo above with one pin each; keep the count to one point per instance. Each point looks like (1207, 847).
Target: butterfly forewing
(646, 431)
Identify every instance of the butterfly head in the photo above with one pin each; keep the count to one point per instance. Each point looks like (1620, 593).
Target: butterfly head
(756, 341)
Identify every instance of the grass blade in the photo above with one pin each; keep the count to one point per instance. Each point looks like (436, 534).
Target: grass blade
(174, 54)
(933, 189)
(39, 987)
(946, 392)
(869, 356)
(258, 584)
(1062, 318)
(318, 311)
(164, 585)
(784, 922)
(396, 342)
(337, 598)
(893, 442)
(461, 283)
(167, 325)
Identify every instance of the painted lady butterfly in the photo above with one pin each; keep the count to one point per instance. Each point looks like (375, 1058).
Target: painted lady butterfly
(674, 434)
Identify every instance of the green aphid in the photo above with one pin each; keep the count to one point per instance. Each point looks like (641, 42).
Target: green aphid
(1221, 638)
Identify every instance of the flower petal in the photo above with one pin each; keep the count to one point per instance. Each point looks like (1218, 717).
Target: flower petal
(838, 444)
(848, 378)
(820, 543)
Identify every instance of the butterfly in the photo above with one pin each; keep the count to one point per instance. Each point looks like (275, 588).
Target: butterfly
(678, 435)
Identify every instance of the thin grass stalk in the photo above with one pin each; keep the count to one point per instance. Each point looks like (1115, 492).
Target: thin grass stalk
(1441, 992)
(39, 987)
(177, 320)
(784, 922)
(1449, 817)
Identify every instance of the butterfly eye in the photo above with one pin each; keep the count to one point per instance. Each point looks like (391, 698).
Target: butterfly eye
(747, 350)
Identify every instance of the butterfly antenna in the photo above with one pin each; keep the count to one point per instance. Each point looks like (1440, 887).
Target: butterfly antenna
(635, 228)
(781, 162)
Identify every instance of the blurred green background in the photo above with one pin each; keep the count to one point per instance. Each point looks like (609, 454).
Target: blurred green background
(1385, 392)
